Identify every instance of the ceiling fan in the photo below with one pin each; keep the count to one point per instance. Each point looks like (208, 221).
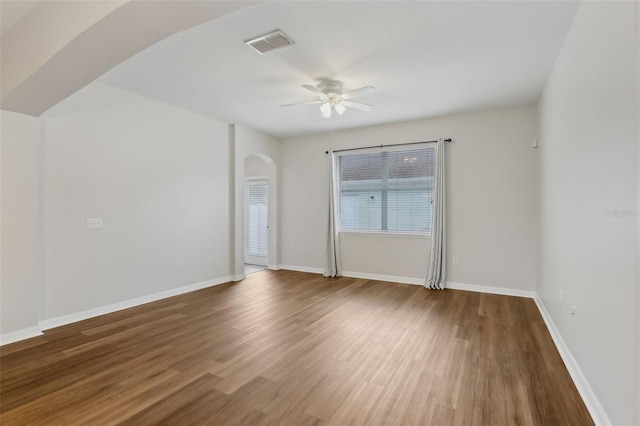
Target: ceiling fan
(331, 97)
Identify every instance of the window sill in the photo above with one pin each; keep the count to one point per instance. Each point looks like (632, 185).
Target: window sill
(406, 235)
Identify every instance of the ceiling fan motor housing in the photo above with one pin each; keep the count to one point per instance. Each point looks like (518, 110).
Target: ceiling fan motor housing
(329, 87)
(331, 96)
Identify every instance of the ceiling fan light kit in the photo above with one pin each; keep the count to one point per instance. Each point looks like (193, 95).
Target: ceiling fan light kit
(331, 96)
(325, 109)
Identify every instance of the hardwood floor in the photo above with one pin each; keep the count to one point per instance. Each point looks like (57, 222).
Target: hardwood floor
(289, 348)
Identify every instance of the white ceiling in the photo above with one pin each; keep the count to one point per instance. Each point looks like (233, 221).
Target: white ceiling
(424, 58)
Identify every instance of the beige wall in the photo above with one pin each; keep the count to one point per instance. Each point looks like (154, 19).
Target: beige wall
(21, 251)
(589, 167)
(156, 175)
(637, 321)
(492, 172)
(159, 177)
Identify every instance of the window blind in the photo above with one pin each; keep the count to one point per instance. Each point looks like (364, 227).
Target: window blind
(388, 191)
(256, 215)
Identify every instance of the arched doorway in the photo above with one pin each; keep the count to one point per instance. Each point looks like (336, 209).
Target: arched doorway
(259, 236)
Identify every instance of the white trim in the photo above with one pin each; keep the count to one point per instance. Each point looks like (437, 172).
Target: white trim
(384, 234)
(16, 336)
(238, 277)
(450, 284)
(418, 281)
(389, 278)
(273, 267)
(90, 313)
(598, 414)
(503, 291)
(308, 269)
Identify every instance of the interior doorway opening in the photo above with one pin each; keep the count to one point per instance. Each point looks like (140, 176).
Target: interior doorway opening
(258, 239)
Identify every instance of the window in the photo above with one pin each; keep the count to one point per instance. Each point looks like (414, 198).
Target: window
(389, 191)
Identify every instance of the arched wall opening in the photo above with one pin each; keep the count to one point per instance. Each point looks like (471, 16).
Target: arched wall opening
(259, 215)
(250, 164)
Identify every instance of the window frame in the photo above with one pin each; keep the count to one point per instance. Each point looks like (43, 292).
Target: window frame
(384, 195)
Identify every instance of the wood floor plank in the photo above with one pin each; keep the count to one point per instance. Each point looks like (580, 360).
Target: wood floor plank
(291, 348)
(185, 406)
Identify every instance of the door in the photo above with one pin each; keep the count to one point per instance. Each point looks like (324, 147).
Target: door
(256, 223)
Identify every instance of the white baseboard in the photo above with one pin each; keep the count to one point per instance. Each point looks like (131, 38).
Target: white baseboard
(491, 290)
(590, 400)
(308, 269)
(378, 277)
(80, 316)
(450, 284)
(273, 267)
(16, 336)
(238, 277)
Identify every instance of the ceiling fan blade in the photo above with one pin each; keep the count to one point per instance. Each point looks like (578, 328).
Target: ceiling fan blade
(358, 92)
(313, 89)
(301, 103)
(357, 105)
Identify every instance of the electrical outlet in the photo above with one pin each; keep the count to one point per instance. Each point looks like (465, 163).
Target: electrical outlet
(177, 265)
(455, 260)
(94, 222)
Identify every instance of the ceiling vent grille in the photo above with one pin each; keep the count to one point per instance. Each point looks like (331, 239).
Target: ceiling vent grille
(268, 42)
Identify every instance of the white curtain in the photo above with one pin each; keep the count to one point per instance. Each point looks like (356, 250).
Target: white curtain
(334, 263)
(436, 274)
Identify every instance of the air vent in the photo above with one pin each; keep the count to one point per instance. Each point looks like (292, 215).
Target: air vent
(268, 42)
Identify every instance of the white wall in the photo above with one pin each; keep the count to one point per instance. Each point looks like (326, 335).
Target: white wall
(156, 175)
(589, 166)
(20, 223)
(492, 199)
(248, 142)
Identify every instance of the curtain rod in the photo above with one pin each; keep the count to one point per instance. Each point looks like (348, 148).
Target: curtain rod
(382, 146)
